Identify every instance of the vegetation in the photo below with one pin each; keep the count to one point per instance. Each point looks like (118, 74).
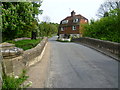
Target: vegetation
(104, 8)
(26, 44)
(48, 29)
(19, 19)
(15, 82)
(106, 28)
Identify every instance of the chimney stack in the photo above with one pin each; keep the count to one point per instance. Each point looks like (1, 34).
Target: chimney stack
(72, 13)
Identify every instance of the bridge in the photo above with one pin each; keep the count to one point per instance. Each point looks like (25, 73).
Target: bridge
(84, 63)
(73, 65)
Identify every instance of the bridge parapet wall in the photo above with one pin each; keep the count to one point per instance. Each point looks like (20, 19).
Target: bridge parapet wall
(15, 61)
(31, 56)
(108, 47)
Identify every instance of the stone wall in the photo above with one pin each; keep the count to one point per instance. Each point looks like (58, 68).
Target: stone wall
(110, 48)
(31, 56)
(24, 60)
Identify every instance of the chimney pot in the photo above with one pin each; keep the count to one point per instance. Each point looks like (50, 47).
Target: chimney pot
(72, 13)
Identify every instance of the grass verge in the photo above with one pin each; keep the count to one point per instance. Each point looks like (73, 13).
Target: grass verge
(25, 44)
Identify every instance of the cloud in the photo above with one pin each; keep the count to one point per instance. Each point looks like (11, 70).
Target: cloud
(59, 9)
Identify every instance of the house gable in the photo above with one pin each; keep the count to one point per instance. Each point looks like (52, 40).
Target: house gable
(72, 24)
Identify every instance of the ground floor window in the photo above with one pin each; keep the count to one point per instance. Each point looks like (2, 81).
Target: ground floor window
(66, 35)
(73, 27)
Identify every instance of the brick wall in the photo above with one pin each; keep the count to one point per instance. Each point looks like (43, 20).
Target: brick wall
(68, 27)
(68, 30)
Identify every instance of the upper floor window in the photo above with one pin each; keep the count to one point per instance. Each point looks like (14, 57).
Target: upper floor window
(62, 29)
(73, 27)
(85, 20)
(75, 20)
(65, 21)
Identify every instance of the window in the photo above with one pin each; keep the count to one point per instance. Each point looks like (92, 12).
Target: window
(75, 20)
(73, 27)
(85, 20)
(65, 21)
(62, 29)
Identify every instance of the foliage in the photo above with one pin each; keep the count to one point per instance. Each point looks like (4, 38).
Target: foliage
(15, 82)
(18, 19)
(26, 44)
(104, 8)
(107, 28)
(48, 29)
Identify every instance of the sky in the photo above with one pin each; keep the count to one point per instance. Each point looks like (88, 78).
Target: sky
(57, 10)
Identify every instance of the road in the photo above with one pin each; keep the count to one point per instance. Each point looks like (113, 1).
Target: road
(76, 66)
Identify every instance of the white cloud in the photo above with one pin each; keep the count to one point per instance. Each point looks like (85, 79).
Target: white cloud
(59, 9)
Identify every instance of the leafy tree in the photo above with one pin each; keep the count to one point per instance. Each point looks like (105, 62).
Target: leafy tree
(19, 19)
(36, 11)
(48, 29)
(107, 28)
(107, 6)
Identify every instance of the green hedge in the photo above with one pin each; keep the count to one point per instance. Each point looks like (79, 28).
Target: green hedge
(107, 28)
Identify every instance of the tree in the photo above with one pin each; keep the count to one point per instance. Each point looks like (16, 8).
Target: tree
(48, 29)
(9, 20)
(18, 18)
(36, 11)
(107, 28)
(107, 6)
(46, 19)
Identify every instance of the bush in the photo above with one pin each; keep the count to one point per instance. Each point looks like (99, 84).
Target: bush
(15, 82)
(107, 28)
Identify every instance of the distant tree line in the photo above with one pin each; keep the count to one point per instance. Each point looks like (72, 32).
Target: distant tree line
(48, 29)
(108, 26)
(19, 19)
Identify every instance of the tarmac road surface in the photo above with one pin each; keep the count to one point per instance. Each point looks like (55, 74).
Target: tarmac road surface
(76, 66)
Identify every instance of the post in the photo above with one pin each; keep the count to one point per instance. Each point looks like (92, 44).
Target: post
(10, 54)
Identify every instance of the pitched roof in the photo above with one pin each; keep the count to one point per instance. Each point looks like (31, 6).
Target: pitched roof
(76, 16)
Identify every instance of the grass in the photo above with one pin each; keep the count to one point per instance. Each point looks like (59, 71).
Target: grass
(25, 44)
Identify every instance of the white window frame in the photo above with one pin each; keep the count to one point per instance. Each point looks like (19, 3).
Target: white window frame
(65, 22)
(85, 20)
(76, 20)
(62, 29)
(73, 27)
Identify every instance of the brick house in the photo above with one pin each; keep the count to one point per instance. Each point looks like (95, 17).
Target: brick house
(71, 26)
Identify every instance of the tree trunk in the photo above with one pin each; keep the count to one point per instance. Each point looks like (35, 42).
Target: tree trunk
(34, 34)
